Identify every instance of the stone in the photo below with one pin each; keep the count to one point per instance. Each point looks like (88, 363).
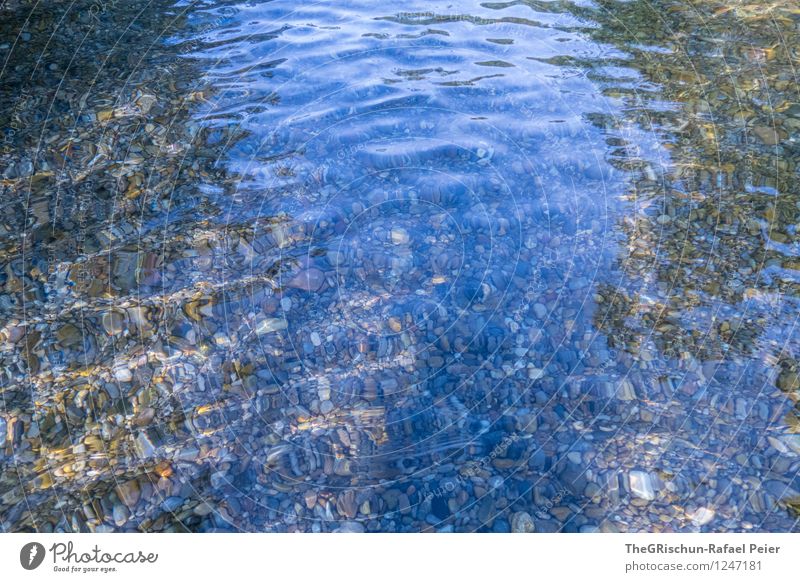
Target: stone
(766, 134)
(400, 236)
(702, 516)
(535, 373)
(143, 445)
(778, 445)
(120, 514)
(129, 493)
(403, 504)
(171, 504)
(561, 512)
(486, 511)
(113, 322)
(307, 280)
(123, 374)
(522, 522)
(270, 325)
(346, 504)
(641, 484)
(350, 527)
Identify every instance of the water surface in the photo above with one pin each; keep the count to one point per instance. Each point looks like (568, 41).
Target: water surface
(400, 267)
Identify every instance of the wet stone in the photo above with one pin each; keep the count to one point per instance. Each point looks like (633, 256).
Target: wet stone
(641, 484)
(307, 280)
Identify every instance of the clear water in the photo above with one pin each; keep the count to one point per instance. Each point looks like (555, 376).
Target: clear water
(401, 267)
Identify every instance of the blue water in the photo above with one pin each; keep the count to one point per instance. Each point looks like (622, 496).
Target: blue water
(424, 266)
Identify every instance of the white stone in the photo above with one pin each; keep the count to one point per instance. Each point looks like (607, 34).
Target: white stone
(270, 325)
(642, 485)
(702, 516)
(778, 445)
(400, 236)
(535, 373)
(123, 375)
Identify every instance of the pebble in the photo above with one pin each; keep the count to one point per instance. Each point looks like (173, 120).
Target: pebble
(168, 359)
(641, 484)
(400, 236)
(128, 492)
(113, 322)
(522, 522)
(350, 527)
(307, 280)
(123, 374)
(346, 504)
(766, 135)
(172, 504)
(702, 516)
(120, 514)
(270, 325)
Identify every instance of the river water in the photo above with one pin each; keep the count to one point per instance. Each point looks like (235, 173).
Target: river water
(418, 266)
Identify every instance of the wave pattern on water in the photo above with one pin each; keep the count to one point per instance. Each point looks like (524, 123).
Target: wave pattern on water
(398, 267)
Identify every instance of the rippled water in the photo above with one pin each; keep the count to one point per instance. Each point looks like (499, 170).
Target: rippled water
(414, 266)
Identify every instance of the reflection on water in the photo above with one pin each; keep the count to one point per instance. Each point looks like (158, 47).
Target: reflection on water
(400, 267)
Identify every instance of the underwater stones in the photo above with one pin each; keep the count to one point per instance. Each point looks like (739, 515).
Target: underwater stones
(12, 333)
(641, 485)
(625, 390)
(307, 280)
(702, 516)
(788, 381)
(522, 522)
(113, 322)
(346, 504)
(163, 469)
(123, 374)
(171, 504)
(69, 335)
(336, 257)
(310, 498)
(766, 134)
(400, 236)
(401, 356)
(120, 514)
(144, 417)
(199, 307)
(343, 467)
(143, 445)
(350, 527)
(129, 492)
(270, 325)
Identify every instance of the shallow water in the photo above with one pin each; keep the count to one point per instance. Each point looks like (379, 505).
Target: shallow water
(400, 267)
